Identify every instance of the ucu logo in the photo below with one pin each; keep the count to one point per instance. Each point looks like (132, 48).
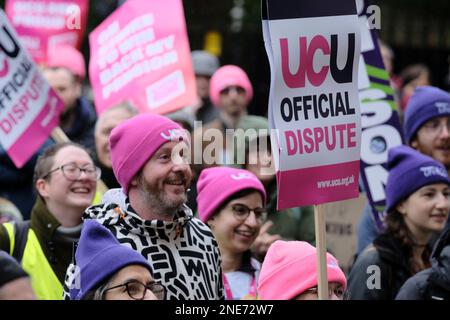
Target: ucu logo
(333, 264)
(433, 171)
(241, 175)
(443, 107)
(306, 61)
(174, 134)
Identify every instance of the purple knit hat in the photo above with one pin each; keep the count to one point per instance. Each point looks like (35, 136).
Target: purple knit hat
(217, 184)
(134, 141)
(99, 256)
(426, 103)
(409, 171)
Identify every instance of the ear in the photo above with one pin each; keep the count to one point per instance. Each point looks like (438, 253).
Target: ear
(401, 208)
(414, 144)
(41, 187)
(211, 222)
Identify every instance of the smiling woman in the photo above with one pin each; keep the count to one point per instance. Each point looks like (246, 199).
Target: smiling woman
(417, 205)
(235, 215)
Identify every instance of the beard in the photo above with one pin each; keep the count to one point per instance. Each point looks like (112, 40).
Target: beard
(159, 201)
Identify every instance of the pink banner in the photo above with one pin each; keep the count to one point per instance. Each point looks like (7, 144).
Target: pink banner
(141, 54)
(29, 108)
(317, 185)
(43, 24)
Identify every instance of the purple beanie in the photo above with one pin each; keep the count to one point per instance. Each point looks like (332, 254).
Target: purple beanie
(215, 185)
(410, 170)
(226, 76)
(134, 141)
(99, 256)
(426, 103)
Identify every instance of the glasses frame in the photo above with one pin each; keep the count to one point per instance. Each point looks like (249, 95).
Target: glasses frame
(146, 287)
(240, 218)
(98, 172)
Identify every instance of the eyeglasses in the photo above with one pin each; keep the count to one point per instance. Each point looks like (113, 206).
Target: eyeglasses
(227, 90)
(241, 212)
(71, 172)
(338, 292)
(137, 290)
(435, 126)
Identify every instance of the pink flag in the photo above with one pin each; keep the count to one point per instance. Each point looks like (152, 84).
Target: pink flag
(43, 24)
(141, 54)
(29, 108)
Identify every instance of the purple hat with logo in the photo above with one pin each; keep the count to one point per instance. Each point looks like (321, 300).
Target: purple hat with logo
(410, 170)
(426, 103)
(99, 256)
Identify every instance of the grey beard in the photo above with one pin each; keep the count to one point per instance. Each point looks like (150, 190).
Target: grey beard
(159, 204)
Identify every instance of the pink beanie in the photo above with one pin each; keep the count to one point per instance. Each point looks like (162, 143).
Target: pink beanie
(290, 268)
(65, 56)
(226, 76)
(134, 141)
(215, 185)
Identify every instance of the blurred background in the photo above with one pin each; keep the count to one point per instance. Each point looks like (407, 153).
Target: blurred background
(418, 31)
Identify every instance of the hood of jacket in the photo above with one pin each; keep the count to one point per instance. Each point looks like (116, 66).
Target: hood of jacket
(440, 260)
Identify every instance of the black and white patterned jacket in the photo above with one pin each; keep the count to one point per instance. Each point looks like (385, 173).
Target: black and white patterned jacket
(183, 253)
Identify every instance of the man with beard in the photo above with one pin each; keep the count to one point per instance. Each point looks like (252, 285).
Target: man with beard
(65, 72)
(149, 213)
(426, 129)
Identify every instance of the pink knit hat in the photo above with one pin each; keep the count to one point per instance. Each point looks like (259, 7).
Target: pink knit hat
(134, 141)
(217, 184)
(290, 268)
(65, 56)
(226, 76)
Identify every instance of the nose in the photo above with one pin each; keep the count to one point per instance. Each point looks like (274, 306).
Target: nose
(150, 296)
(445, 132)
(252, 221)
(334, 296)
(443, 202)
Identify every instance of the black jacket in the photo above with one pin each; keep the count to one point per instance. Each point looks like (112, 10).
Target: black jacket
(434, 282)
(379, 271)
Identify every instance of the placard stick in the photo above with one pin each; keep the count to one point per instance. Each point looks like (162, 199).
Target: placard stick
(321, 245)
(59, 136)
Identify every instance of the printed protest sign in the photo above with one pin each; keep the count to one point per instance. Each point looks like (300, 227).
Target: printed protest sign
(380, 123)
(43, 24)
(29, 109)
(314, 100)
(141, 53)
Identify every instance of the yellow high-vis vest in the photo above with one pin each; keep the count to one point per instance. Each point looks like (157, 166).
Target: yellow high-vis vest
(45, 283)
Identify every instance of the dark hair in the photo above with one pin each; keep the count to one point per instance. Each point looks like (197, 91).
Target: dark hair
(396, 225)
(45, 161)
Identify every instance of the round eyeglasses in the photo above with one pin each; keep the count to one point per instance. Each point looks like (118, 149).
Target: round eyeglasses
(72, 172)
(241, 212)
(137, 290)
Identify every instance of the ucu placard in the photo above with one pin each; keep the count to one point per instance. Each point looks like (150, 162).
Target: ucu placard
(314, 105)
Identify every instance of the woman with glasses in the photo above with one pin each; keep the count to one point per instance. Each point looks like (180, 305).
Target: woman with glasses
(108, 270)
(232, 203)
(65, 179)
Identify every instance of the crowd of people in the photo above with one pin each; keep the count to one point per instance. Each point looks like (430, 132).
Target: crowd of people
(172, 227)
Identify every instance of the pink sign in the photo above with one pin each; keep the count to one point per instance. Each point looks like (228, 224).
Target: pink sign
(314, 102)
(141, 54)
(29, 108)
(43, 24)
